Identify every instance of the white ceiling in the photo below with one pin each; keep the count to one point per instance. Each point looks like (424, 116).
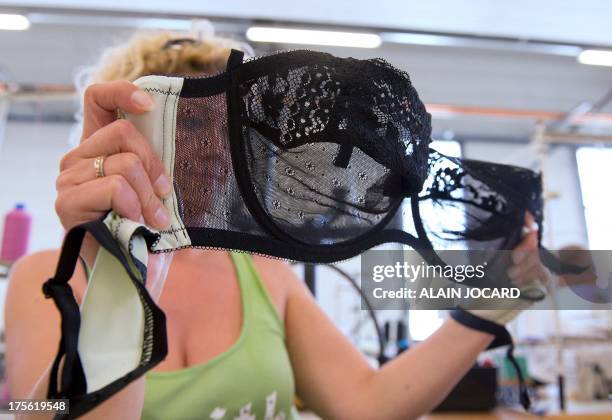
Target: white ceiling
(582, 22)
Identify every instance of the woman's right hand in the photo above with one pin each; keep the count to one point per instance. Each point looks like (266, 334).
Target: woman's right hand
(134, 181)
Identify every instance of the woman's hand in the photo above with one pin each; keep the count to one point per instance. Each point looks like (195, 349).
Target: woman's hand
(134, 181)
(527, 266)
(134, 178)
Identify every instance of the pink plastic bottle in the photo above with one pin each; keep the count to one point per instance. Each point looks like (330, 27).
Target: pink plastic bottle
(16, 233)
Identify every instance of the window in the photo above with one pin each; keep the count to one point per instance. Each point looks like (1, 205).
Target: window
(593, 170)
(447, 147)
(422, 323)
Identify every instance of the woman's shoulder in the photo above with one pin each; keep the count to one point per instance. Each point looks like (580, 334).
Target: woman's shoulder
(279, 279)
(31, 271)
(35, 267)
(47, 257)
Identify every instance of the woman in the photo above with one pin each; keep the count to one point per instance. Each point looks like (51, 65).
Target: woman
(244, 333)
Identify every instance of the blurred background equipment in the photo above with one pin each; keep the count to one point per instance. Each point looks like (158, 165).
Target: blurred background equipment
(16, 234)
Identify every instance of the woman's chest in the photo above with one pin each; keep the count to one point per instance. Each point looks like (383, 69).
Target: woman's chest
(204, 316)
(205, 312)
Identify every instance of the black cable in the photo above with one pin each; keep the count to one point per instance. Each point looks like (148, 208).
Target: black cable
(382, 359)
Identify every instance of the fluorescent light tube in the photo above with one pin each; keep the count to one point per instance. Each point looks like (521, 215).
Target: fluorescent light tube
(313, 37)
(596, 57)
(10, 22)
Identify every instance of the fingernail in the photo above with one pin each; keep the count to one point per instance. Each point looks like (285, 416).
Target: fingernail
(162, 186)
(142, 99)
(162, 220)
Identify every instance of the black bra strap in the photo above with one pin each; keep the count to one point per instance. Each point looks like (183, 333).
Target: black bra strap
(72, 383)
(522, 386)
(502, 338)
(234, 60)
(554, 263)
(73, 377)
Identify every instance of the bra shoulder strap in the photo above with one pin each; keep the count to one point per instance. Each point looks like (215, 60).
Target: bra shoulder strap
(234, 60)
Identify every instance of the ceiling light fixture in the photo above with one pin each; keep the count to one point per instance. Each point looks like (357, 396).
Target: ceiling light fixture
(11, 22)
(596, 57)
(313, 37)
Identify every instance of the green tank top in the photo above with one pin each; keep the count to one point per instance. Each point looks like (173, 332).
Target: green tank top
(252, 380)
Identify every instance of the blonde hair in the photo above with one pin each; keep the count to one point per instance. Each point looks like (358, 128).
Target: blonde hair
(163, 53)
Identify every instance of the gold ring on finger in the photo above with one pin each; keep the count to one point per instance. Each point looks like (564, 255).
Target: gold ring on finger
(99, 166)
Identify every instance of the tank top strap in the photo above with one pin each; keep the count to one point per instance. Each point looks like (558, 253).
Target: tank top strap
(256, 299)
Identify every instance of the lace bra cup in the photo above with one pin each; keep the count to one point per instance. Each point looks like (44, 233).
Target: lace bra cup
(306, 156)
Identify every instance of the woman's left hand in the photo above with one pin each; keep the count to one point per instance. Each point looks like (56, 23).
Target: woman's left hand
(527, 265)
